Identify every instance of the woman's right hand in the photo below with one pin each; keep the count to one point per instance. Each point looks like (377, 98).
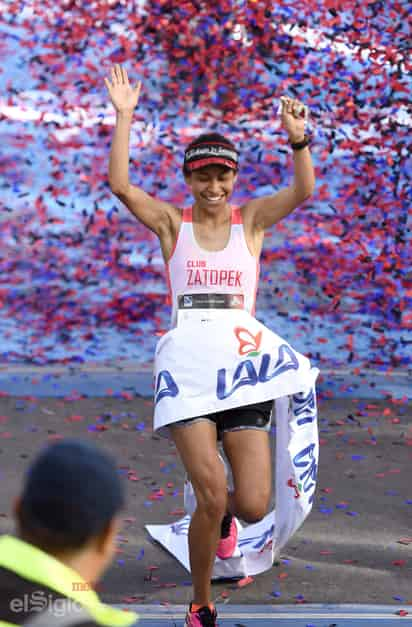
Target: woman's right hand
(123, 96)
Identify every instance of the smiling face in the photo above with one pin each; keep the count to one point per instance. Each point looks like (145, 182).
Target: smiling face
(211, 186)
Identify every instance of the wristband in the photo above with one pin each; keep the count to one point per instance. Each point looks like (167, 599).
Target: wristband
(299, 145)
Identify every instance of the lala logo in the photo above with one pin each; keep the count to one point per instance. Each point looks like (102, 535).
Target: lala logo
(249, 373)
(248, 344)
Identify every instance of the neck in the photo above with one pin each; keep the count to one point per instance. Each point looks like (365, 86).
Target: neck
(85, 563)
(214, 217)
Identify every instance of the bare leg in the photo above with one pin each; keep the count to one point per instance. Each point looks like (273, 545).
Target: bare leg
(204, 535)
(197, 446)
(249, 455)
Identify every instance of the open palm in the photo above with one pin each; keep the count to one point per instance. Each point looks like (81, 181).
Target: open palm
(123, 96)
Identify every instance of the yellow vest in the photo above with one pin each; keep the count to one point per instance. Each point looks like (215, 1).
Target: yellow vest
(33, 564)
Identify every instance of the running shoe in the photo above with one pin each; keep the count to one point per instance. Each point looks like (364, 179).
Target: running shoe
(204, 617)
(228, 538)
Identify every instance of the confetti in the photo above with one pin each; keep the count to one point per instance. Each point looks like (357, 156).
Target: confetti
(94, 285)
(405, 541)
(82, 281)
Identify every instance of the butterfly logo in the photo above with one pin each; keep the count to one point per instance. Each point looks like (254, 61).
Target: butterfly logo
(297, 488)
(249, 344)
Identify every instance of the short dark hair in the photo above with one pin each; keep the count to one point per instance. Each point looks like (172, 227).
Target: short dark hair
(71, 494)
(210, 138)
(50, 540)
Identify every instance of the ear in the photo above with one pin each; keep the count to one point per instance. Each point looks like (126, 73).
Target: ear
(16, 506)
(235, 175)
(16, 511)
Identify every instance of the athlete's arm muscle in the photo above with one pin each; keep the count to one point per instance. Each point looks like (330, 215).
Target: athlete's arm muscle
(268, 210)
(157, 215)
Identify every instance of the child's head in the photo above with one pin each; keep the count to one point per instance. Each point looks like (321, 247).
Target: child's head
(71, 501)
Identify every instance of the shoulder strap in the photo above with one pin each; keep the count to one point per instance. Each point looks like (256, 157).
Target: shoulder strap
(236, 215)
(187, 215)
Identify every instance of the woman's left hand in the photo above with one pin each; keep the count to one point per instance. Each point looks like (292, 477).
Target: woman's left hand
(293, 115)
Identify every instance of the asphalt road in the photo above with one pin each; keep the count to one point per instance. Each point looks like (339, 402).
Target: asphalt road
(353, 548)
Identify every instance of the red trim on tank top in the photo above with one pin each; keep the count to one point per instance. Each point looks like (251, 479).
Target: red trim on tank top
(169, 300)
(187, 214)
(236, 216)
(253, 308)
(174, 245)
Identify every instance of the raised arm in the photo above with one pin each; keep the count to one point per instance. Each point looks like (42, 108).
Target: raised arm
(268, 210)
(153, 213)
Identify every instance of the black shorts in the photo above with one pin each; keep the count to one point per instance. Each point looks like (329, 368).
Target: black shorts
(257, 416)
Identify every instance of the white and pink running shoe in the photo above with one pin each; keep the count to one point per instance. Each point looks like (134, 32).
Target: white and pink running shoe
(228, 538)
(203, 617)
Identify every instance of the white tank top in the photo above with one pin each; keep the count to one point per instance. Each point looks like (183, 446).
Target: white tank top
(194, 270)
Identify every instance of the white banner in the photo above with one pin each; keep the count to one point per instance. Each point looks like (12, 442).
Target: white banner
(214, 361)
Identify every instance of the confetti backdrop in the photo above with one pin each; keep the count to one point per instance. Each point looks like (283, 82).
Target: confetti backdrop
(82, 281)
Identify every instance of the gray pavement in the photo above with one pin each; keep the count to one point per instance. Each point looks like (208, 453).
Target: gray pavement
(355, 547)
(113, 377)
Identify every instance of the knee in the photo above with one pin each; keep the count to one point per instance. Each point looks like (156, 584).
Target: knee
(253, 513)
(253, 510)
(211, 496)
